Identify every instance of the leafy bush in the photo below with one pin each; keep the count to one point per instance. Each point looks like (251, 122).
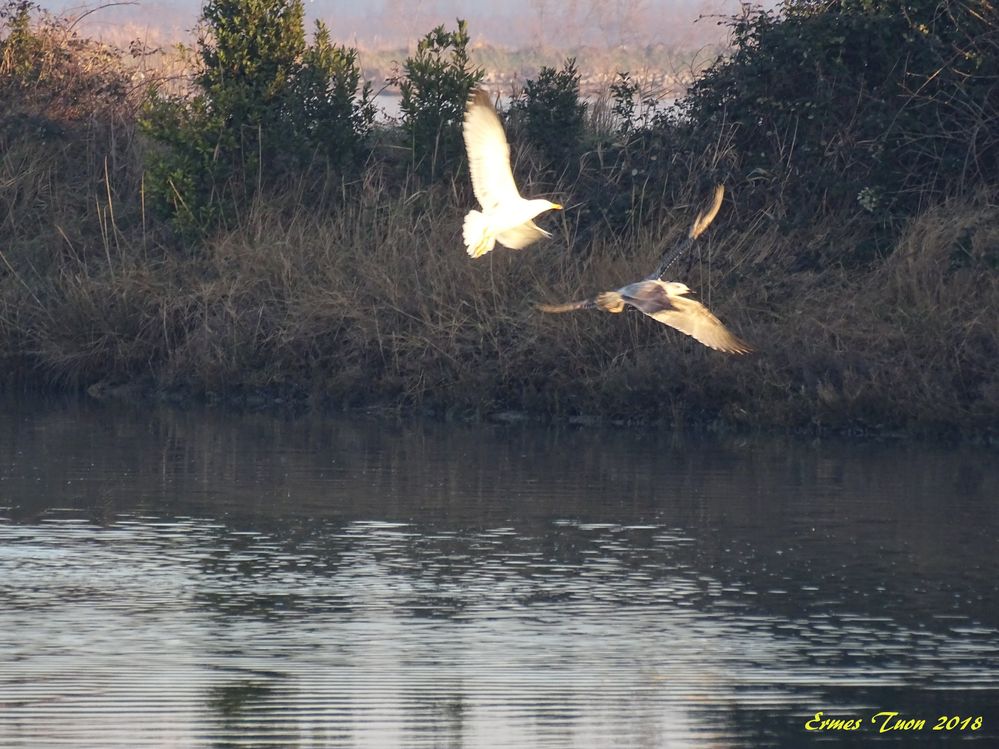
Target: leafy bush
(333, 108)
(435, 85)
(623, 92)
(632, 110)
(266, 105)
(883, 101)
(549, 112)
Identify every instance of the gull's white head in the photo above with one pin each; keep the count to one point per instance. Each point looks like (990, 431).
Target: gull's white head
(540, 205)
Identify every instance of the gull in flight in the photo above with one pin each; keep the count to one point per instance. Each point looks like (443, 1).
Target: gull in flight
(666, 301)
(505, 216)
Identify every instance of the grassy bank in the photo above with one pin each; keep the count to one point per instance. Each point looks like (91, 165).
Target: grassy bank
(337, 289)
(378, 304)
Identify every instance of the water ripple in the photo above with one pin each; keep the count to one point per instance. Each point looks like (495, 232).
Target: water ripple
(160, 610)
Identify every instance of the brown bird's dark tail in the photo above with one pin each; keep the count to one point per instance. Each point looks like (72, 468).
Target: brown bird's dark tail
(569, 306)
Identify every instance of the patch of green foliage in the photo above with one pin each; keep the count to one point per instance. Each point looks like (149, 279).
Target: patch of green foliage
(623, 92)
(267, 105)
(549, 112)
(20, 48)
(435, 84)
(633, 111)
(835, 103)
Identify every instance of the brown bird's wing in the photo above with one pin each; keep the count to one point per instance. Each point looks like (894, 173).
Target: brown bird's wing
(488, 153)
(704, 218)
(693, 318)
(700, 225)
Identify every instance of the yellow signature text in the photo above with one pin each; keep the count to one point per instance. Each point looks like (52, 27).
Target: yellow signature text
(887, 721)
(818, 723)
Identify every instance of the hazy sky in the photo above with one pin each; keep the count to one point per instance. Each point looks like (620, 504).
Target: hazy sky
(555, 23)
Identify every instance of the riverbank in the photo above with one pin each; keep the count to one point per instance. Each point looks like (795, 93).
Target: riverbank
(866, 281)
(377, 305)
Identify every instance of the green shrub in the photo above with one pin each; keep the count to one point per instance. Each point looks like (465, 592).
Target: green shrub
(266, 106)
(333, 109)
(550, 114)
(885, 102)
(623, 92)
(435, 86)
(632, 110)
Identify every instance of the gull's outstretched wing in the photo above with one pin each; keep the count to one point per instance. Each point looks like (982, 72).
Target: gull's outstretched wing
(488, 153)
(519, 237)
(693, 318)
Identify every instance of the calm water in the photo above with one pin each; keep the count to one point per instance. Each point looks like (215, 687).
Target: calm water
(193, 578)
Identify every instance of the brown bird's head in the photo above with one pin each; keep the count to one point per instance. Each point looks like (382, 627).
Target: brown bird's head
(675, 288)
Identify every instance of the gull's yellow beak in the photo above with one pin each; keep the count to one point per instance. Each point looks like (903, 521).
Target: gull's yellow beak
(556, 207)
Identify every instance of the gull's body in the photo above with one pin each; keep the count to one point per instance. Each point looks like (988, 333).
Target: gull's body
(505, 217)
(665, 301)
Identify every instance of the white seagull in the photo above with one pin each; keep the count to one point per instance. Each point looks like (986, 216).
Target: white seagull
(666, 302)
(505, 216)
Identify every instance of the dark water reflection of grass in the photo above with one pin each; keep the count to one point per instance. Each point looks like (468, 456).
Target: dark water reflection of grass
(335, 582)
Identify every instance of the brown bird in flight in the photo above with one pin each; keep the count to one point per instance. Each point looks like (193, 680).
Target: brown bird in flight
(666, 302)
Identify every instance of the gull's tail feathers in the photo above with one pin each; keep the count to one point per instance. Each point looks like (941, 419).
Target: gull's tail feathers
(608, 301)
(475, 231)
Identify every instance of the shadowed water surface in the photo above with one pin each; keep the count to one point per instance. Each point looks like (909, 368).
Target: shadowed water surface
(191, 578)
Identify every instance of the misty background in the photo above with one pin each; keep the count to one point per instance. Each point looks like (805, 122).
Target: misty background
(379, 24)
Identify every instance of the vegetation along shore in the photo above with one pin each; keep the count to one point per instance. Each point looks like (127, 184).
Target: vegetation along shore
(250, 232)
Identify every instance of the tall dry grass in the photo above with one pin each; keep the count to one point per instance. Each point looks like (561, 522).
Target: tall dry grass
(373, 302)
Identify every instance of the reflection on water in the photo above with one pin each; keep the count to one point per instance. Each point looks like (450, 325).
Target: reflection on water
(192, 578)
